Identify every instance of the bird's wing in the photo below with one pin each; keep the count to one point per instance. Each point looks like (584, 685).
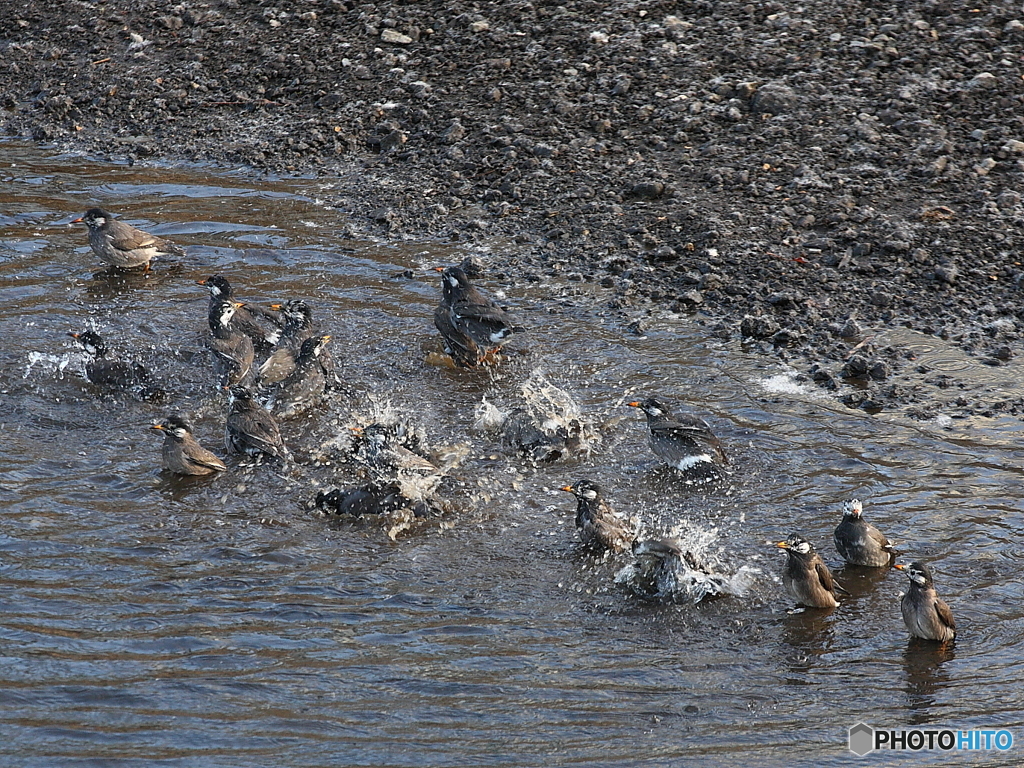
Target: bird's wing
(126, 238)
(825, 577)
(264, 434)
(205, 459)
(944, 613)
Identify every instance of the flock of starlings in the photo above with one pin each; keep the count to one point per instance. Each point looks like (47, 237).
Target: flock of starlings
(299, 370)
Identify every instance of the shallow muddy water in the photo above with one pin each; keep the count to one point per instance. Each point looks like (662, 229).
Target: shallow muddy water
(149, 620)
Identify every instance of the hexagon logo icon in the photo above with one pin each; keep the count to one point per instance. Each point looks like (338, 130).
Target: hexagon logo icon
(862, 739)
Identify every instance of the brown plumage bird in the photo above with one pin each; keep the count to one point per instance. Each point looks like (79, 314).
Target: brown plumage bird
(601, 528)
(182, 454)
(685, 442)
(925, 613)
(472, 325)
(806, 577)
(121, 245)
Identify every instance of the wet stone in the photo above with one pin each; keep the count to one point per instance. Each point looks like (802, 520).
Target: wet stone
(856, 367)
(758, 327)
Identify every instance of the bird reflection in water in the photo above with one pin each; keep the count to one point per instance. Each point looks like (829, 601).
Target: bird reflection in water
(925, 666)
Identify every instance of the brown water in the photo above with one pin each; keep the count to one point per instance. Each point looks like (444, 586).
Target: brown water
(153, 621)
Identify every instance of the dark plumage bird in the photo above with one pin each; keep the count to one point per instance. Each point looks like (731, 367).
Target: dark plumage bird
(472, 325)
(121, 245)
(259, 326)
(685, 442)
(860, 543)
(370, 499)
(182, 454)
(102, 370)
(298, 326)
(123, 374)
(521, 431)
(232, 350)
(664, 570)
(925, 613)
(382, 451)
(251, 429)
(305, 386)
(806, 577)
(601, 528)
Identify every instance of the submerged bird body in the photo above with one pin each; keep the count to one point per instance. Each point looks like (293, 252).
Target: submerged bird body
(182, 454)
(250, 429)
(371, 499)
(256, 325)
(601, 528)
(100, 369)
(305, 386)
(925, 613)
(685, 442)
(121, 245)
(806, 577)
(232, 350)
(384, 453)
(521, 431)
(298, 326)
(472, 325)
(860, 543)
(665, 571)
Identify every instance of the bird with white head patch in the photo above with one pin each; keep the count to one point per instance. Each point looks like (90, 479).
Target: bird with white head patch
(858, 542)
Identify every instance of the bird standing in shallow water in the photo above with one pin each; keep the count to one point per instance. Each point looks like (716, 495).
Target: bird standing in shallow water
(472, 325)
(182, 454)
(685, 442)
(925, 613)
(858, 542)
(305, 385)
(121, 245)
(232, 350)
(250, 429)
(806, 577)
(601, 528)
(298, 326)
(257, 325)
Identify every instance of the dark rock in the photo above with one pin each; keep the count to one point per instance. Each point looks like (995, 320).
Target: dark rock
(758, 327)
(856, 367)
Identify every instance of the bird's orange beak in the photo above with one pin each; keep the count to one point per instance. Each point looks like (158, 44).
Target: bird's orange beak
(899, 567)
(566, 488)
(79, 220)
(782, 545)
(634, 404)
(200, 282)
(158, 427)
(277, 307)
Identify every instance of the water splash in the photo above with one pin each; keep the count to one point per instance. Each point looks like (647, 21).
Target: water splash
(56, 364)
